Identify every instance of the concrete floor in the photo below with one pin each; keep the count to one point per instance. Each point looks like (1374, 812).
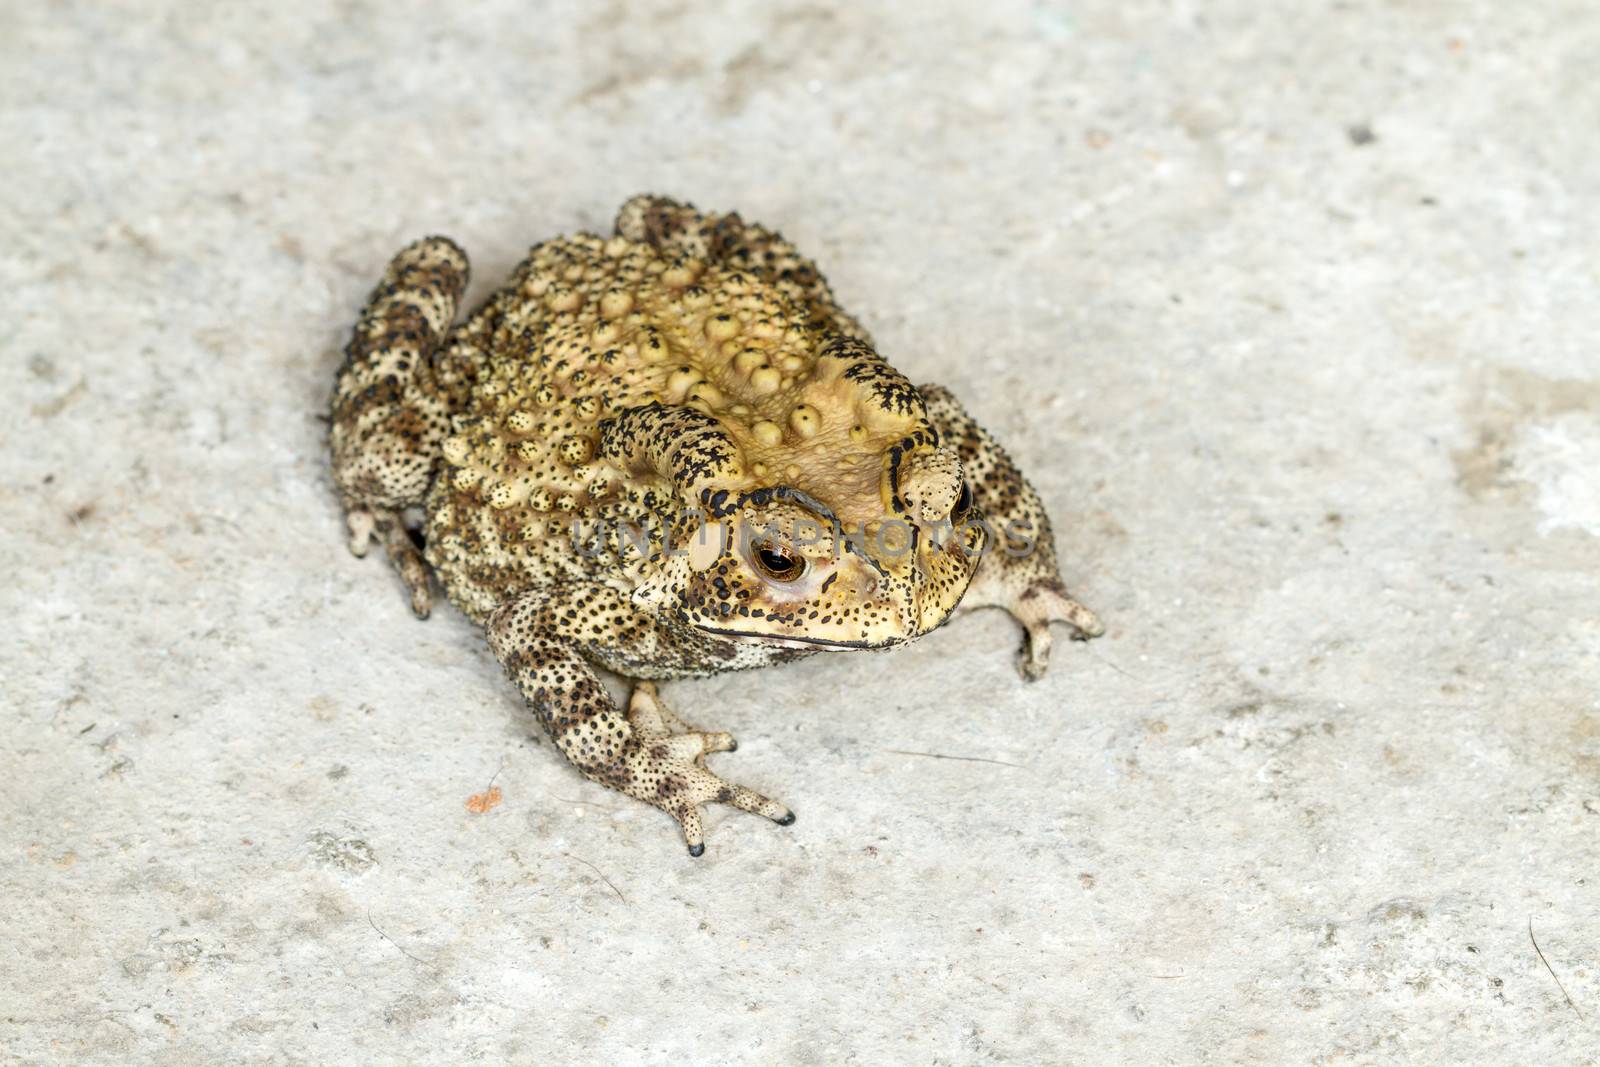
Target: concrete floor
(1289, 310)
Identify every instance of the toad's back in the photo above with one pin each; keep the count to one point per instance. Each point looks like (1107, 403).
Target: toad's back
(586, 328)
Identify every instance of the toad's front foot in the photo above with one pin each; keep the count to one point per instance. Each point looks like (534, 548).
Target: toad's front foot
(664, 764)
(1036, 607)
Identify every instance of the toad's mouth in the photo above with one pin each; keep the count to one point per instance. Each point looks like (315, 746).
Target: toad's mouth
(800, 642)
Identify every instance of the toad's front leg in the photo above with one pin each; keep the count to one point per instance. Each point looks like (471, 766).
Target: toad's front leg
(1019, 570)
(541, 637)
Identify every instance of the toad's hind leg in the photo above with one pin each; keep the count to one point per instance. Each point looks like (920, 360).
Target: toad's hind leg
(389, 416)
(1019, 571)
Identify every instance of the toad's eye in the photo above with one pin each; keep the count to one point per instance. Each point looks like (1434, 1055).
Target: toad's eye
(778, 563)
(963, 505)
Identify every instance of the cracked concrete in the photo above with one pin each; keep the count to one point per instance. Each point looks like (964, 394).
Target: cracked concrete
(1290, 313)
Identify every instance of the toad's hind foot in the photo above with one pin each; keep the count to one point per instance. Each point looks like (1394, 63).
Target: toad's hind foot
(404, 555)
(665, 766)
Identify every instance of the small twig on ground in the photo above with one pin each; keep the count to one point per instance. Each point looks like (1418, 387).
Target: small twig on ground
(585, 803)
(496, 774)
(964, 759)
(398, 945)
(1551, 969)
(599, 873)
(1125, 673)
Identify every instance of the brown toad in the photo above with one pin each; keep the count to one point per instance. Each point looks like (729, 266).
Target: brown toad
(670, 453)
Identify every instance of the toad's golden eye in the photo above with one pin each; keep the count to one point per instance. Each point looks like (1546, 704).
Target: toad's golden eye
(778, 563)
(963, 503)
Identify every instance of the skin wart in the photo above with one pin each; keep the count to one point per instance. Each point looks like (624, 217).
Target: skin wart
(670, 453)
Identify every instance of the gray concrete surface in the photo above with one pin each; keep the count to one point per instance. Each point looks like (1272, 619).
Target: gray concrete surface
(1290, 311)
